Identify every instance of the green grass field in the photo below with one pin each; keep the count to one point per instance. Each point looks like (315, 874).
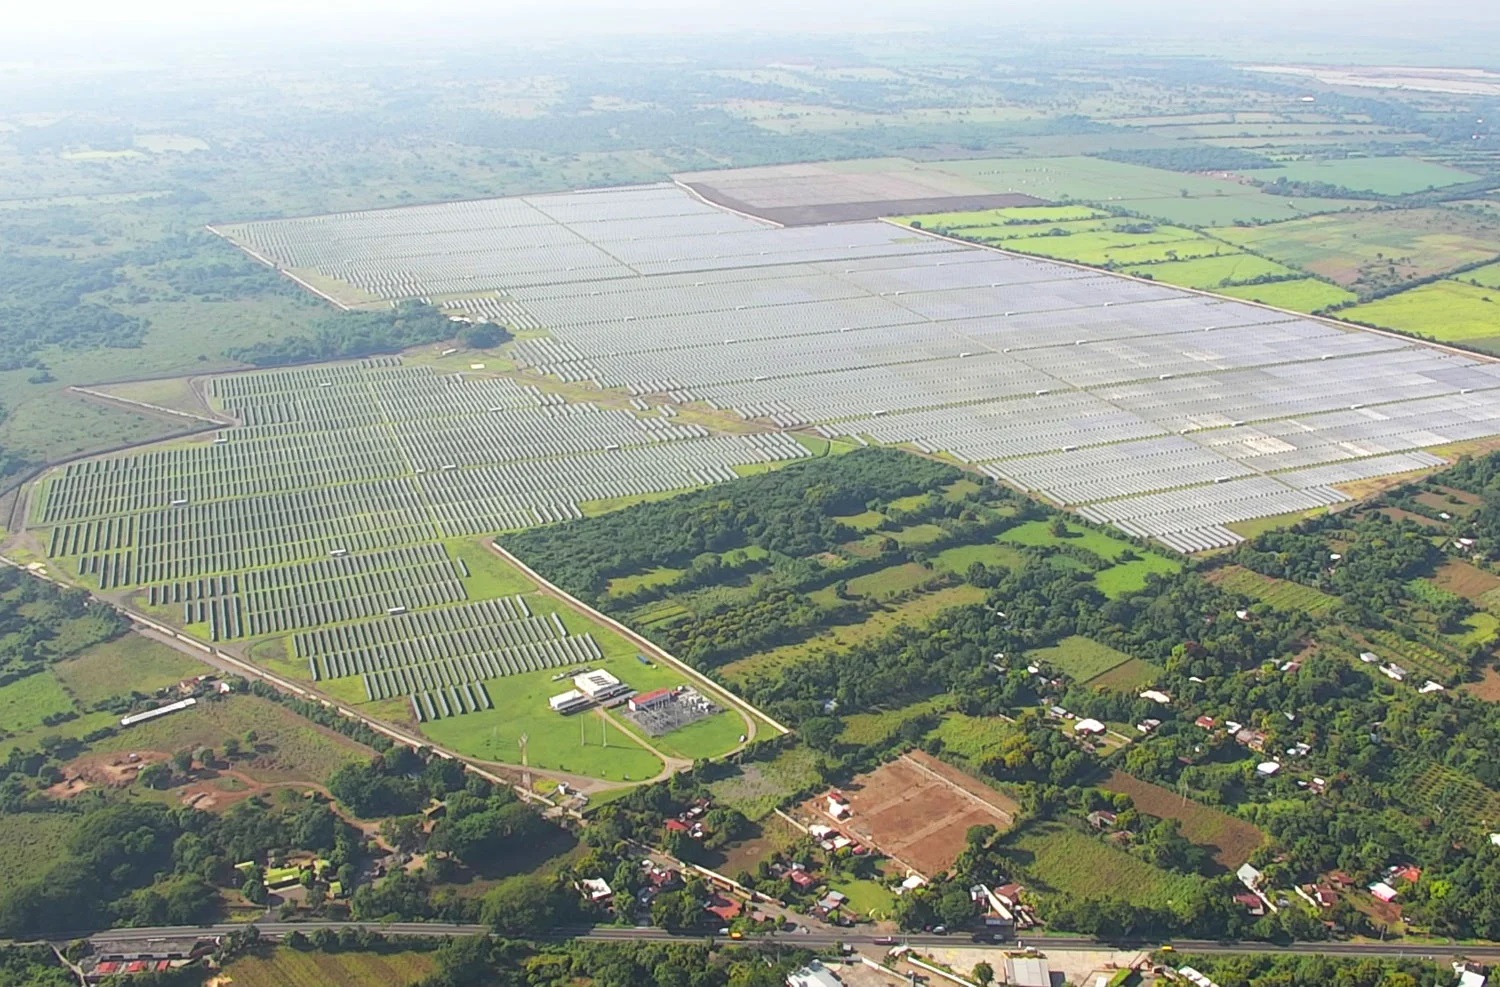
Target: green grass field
(31, 842)
(1128, 676)
(283, 967)
(1079, 658)
(973, 738)
(1448, 311)
(1486, 277)
(1129, 577)
(25, 702)
(863, 729)
(126, 664)
(660, 576)
(1065, 861)
(1212, 272)
(1302, 295)
(1039, 533)
(958, 558)
(1384, 176)
(867, 898)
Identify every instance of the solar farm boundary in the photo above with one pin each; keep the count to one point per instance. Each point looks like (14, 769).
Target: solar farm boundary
(283, 271)
(723, 208)
(744, 707)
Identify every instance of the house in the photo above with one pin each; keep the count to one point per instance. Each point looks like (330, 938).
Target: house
(1252, 903)
(1157, 696)
(1369, 657)
(1010, 894)
(651, 700)
(1410, 873)
(801, 879)
(724, 909)
(678, 826)
(1103, 819)
(1431, 686)
(1470, 975)
(994, 911)
(1255, 740)
(912, 882)
(1249, 876)
(595, 889)
(1267, 768)
(1393, 671)
(815, 974)
(1495, 838)
(1384, 891)
(1206, 722)
(832, 901)
(1148, 725)
(1088, 727)
(838, 805)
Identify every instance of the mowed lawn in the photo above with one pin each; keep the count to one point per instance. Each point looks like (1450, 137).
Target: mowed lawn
(284, 967)
(127, 664)
(1448, 311)
(1230, 839)
(1302, 295)
(1057, 859)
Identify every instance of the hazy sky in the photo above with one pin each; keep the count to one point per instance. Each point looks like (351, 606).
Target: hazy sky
(90, 20)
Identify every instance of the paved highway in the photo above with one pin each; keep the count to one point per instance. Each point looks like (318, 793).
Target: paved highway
(1490, 953)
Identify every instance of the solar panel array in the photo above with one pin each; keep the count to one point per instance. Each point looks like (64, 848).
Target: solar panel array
(1167, 413)
(325, 512)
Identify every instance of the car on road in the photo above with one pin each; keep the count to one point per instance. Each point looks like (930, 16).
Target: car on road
(940, 930)
(885, 940)
(736, 934)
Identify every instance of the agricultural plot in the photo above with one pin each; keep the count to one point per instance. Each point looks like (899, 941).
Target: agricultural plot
(132, 661)
(285, 967)
(1385, 176)
(1214, 272)
(1230, 840)
(1282, 594)
(1171, 415)
(1366, 250)
(918, 810)
(1447, 311)
(1064, 861)
(1300, 295)
(1079, 658)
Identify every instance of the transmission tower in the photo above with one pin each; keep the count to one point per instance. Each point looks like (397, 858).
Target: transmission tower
(525, 763)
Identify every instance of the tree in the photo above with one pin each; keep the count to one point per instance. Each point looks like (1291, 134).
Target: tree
(983, 974)
(231, 748)
(183, 761)
(520, 906)
(155, 775)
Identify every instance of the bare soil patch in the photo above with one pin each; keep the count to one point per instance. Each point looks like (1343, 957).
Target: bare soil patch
(819, 214)
(1230, 840)
(1464, 579)
(917, 811)
(1487, 688)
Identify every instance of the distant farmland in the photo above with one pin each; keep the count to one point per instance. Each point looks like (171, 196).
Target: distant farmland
(1230, 840)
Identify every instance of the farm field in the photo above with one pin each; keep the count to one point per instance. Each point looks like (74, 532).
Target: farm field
(1487, 276)
(1079, 658)
(1213, 272)
(1365, 250)
(959, 558)
(916, 610)
(31, 842)
(286, 967)
(131, 663)
(288, 747)
(1302, 295)
(1280, 593)
(1058, 859)
(1466, 580)
(1231, 840)
(917, 810)
(973, 738)
(880, 725)
(760, 786)
(1447, 311)
(1385, 176)
(1038, 533)
(1128, 676)
(1124, 578)
(27, 701)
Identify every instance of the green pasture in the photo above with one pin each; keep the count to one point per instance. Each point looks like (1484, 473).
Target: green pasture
(1383, 176)
(1487, 276)
(1039, 533)
(958, 558)
(1233, 209)
(1129, 577)
(1213, 272)
(127, 664)
(1303, 295)
(864, 729)
(1447, 311)
(1064, 861)
(1081, 659)
(660, 576)
(31, 842)
(1129, 676)
(973, 738)
(25, 702)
